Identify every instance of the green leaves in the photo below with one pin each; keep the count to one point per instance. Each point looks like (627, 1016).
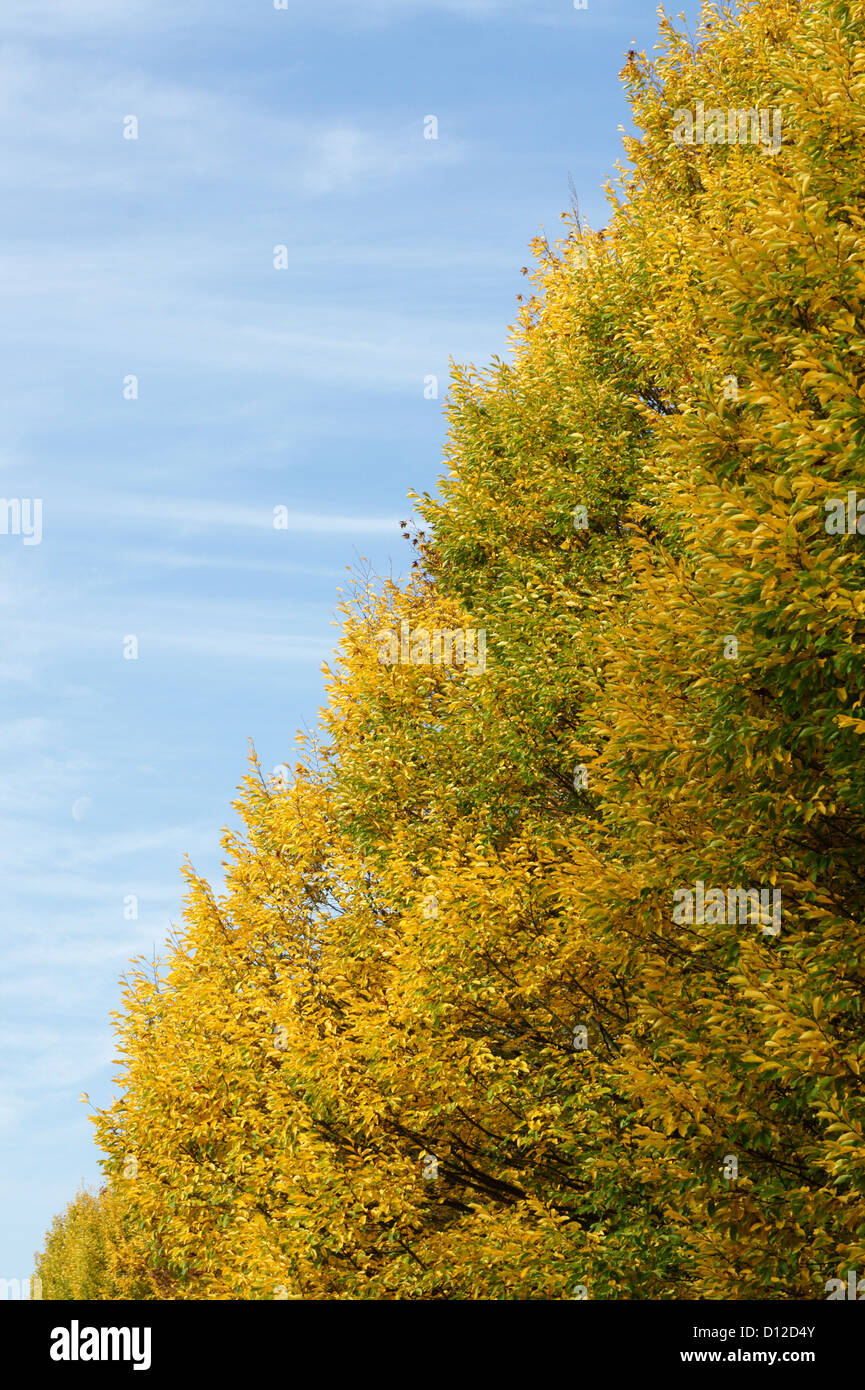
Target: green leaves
(432, 912)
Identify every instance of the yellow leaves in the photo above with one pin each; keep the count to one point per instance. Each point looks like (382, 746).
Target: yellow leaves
(433, 911)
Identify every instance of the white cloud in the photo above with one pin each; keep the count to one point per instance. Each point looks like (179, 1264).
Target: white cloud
(18, 735)
(194, 513)
(52, 18)
(339, 159)
(16, 671)
(173, 559)
(173, 310)
(187, 136)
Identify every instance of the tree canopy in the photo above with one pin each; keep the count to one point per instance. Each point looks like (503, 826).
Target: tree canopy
(446, 1033)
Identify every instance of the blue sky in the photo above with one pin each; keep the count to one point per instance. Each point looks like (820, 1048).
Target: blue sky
(257, 388)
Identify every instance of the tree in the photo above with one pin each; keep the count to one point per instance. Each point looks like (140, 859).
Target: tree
(484, 1010)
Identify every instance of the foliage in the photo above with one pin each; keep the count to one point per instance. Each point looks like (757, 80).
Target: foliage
(86, 1255)
(414, 928)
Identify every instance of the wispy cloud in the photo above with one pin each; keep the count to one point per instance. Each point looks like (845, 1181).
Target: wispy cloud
(20, 735)
(194, 513)
(50, 18)
(188, 136)
(180, 560)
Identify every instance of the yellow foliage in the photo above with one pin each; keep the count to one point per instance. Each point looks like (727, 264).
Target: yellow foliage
(444, 1034)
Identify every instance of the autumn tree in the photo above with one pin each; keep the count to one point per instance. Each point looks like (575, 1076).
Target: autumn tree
(453, 1030)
